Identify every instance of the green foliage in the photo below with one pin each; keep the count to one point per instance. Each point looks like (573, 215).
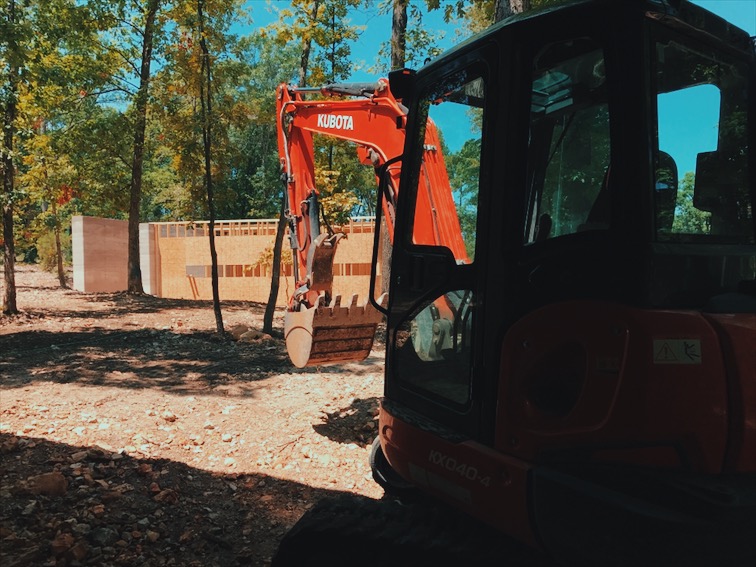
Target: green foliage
(336, 204)
(464, 171)
(255, 169)
(266, 257)
(322, 31)
(339, 171)
(689, 219)
(421, 42)
(75, 93)
(46, 249)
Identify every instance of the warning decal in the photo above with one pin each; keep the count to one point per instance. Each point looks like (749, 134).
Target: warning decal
(677, 351)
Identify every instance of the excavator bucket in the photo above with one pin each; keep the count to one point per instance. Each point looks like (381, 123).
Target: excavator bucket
(331, 334)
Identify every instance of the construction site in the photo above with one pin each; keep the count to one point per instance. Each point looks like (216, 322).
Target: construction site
(175, 258)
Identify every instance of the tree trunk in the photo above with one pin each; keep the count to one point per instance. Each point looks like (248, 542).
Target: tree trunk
(9, 125)
(207, 120)
(134, 270)
(505, 8)
(304, 60)
(56, 226)
(399, 34)
(58, 248)
(270, 308)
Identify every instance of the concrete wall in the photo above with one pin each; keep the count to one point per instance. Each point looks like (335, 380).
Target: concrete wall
(100, 254)
(175, 259)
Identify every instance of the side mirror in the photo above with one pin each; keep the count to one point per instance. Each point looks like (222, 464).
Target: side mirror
(706, 188)
(665, 191)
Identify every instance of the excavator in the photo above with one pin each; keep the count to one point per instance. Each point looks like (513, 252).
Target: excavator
(594, 396)
(317, 328)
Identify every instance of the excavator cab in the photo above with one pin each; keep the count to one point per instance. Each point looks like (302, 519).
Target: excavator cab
(583, 377)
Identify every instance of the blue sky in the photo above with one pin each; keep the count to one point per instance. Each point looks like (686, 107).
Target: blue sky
(378, 26)
(676, 132)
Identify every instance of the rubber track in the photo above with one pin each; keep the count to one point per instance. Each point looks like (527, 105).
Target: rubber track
(352, 530)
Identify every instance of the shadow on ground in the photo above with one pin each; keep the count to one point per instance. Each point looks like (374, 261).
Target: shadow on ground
(122, 303)
(74, 505)
(182, 363)
(355, 423)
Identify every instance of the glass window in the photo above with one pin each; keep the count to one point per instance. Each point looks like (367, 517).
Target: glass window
(701, 189)
(447, 200)
(569, 145)
(433, 345)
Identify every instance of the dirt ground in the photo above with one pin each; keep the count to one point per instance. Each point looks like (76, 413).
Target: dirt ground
(131, 434)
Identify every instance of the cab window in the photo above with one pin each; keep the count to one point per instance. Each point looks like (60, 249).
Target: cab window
(569, 144)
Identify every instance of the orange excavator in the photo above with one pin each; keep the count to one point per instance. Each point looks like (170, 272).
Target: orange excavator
(318, 329)
(594, 397)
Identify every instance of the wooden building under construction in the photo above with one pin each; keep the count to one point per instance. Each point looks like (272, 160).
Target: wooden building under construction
(175, 258)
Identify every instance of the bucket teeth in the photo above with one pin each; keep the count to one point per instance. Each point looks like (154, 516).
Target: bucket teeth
(331, 334)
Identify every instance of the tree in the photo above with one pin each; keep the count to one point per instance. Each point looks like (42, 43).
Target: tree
(399, 33)
(411, 43)
(505, 8)
(12, 63)
(49, 56)
(688, 219)
(50, 177)
(314, 21)
(150, 11)
(206, 97)
(198, 106)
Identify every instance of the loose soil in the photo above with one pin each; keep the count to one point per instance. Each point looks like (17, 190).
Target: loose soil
(131, 433)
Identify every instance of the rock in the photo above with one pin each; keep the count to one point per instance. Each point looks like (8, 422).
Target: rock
(49, 484)
(9, 445)
(111, 496)
(144, 469)
(238, 330)
(103, 537)
(169, 416)
(99, 454)
(167, 496)
(78, 552)
(79, 456)
(253, 335)
(62, 543)
(5, 532)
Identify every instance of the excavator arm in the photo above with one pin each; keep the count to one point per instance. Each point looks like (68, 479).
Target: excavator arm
(318, 329)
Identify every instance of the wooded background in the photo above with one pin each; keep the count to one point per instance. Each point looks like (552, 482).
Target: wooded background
(155, 110)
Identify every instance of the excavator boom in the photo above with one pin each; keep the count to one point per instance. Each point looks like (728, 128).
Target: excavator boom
(318, 328)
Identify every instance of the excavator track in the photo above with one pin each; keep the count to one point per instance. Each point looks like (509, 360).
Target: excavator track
(353, 530)
(330, 334)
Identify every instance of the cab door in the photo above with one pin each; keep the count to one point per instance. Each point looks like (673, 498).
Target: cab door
(434, 353)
